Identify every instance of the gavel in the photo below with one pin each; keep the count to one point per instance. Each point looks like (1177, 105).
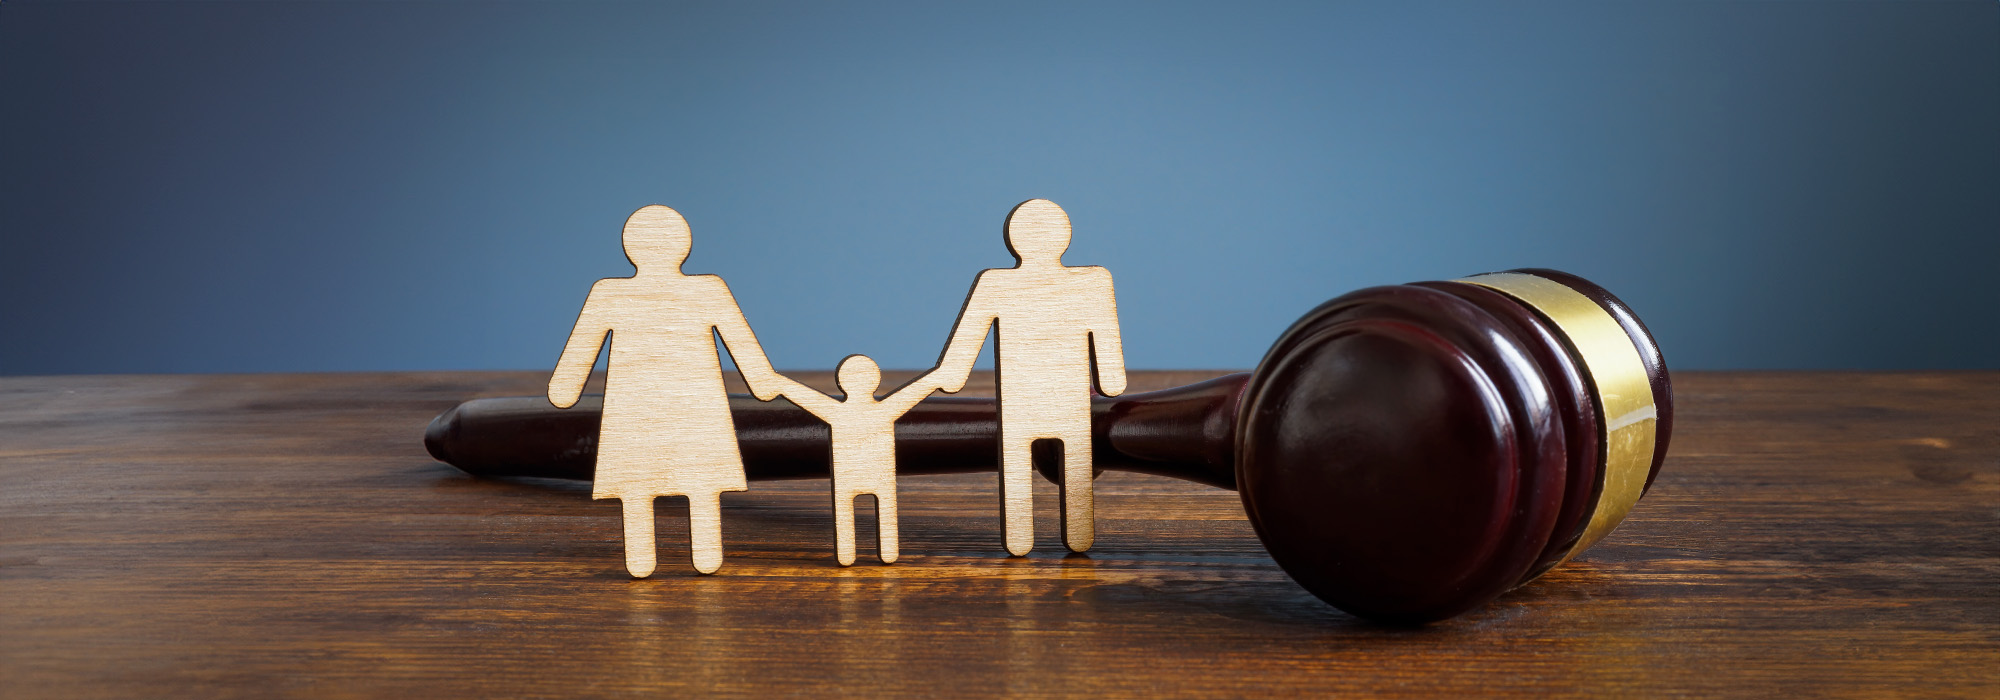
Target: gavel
(1406, 453)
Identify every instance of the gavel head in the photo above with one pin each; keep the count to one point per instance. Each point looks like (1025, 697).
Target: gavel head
(1407, 453)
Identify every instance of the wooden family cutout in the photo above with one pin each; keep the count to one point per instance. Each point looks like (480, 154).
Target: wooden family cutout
(667, 429)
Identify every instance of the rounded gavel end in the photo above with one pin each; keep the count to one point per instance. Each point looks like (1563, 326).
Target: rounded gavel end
(1410, 452)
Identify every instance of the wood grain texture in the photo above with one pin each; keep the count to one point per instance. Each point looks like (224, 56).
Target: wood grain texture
(1057, 334)
(1817, 535)
(667, 430)
(863, 441)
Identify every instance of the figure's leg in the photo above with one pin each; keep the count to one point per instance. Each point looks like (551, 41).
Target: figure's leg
(640, 549)
(886, 540)
(705, 530)
(1079, 504)
(1017, 491)
(843, 526)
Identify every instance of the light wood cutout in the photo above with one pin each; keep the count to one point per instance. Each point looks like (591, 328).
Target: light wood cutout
(864, 446)
(1052, 320)
(667, 429)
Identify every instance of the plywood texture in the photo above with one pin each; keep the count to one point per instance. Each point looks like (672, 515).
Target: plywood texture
(1057, 336)
(1816, 535)
(863, 429)
(666, 429)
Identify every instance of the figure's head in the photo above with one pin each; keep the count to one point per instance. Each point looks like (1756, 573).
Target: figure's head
(858, 376)
(1038, 232)
(657, 239)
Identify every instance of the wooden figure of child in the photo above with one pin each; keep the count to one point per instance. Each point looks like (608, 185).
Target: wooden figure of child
(864, 445)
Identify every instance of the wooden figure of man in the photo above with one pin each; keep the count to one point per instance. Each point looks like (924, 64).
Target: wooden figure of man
(864, 447)
(1052, 321)
(667, 429)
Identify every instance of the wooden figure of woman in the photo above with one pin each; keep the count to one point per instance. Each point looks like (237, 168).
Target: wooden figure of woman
(864, 446)
(667, 430)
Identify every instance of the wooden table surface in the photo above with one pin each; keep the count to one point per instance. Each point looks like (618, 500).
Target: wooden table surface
(1812, 535)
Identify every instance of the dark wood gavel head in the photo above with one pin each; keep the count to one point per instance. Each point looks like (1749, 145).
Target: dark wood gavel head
(1407, 453)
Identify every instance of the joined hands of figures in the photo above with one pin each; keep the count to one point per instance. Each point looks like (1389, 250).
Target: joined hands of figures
(667, 430)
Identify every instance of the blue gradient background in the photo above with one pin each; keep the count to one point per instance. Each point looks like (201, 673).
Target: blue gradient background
(290, 187)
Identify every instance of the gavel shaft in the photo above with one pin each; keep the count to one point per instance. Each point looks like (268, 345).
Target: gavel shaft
(1186, 432)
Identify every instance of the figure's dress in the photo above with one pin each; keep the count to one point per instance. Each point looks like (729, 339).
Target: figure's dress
(667, 429)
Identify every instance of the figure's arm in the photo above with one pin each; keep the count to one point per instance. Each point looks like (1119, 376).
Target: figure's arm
(919, 389)
(805, 397)
(968, 334)
(1105, 346)
(580, 353)
(742, 343)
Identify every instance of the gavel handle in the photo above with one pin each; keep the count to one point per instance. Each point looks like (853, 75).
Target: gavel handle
(1186, 432)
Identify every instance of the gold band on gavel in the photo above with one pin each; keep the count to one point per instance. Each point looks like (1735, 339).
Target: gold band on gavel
(1627, 418)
